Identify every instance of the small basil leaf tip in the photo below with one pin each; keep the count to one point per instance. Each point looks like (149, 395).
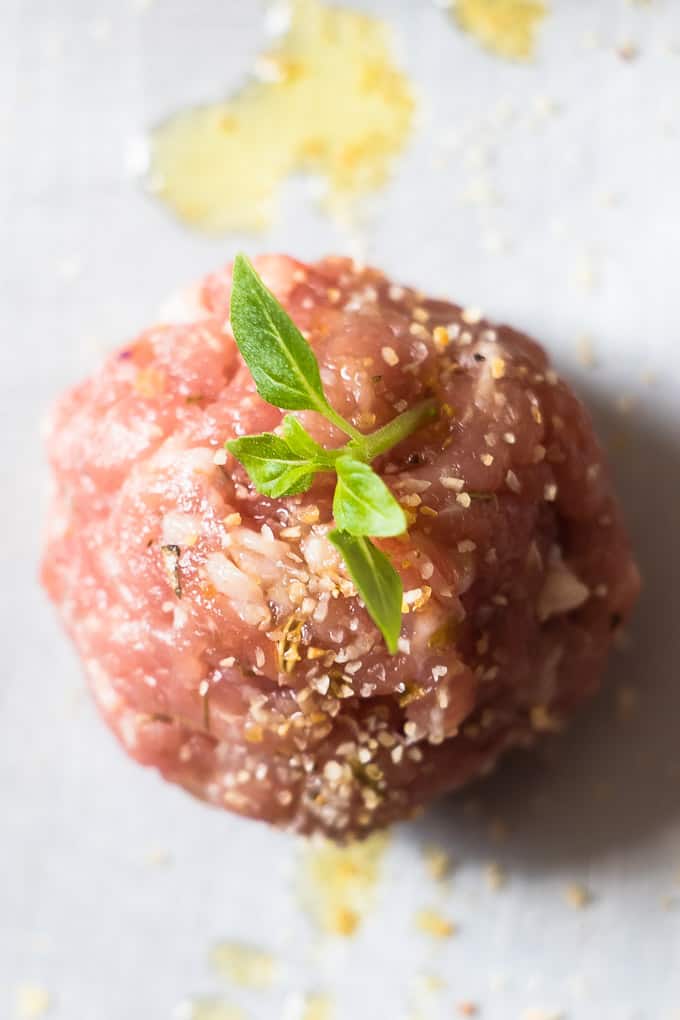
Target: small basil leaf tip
(376, 580)
(299, 440)
(275, 468)
(363, 505)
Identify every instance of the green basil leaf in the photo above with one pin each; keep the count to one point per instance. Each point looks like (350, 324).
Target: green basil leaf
(299, 440)
(280, 360)
(275, 469)
(376, 580)
(363, 505)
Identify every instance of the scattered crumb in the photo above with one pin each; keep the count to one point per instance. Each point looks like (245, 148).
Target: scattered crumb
(244, 965)
(545, 106)
(437, 862)
(433, 923)
(542, 1014)
(628, 51)
(498, 831)
(625, 403)
(481, 192)
(207, 1009)
(468, 1008)
(429, 984)
(472, 315)
(495, 876)
(584, 274)
(313, 1006)
(585, 352)
(578, 896)
(157, 857)
(626, 701)
(543, 721)
(31, 1001)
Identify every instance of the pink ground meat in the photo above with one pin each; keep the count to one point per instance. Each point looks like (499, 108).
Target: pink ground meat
(221, 635)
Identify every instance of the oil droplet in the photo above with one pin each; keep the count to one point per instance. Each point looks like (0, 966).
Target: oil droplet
(506, 27)
(211, 1009)
(339, 882)
(243, 965)
(327, 100)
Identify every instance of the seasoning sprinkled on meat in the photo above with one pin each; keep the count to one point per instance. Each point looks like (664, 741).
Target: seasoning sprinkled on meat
(223, 635)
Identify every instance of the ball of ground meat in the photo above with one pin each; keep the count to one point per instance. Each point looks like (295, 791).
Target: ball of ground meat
(222, 637)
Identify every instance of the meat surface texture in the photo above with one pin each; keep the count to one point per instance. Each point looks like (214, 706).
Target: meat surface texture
(221, 635)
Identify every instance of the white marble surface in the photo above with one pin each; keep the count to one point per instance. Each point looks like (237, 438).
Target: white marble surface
(588, 193)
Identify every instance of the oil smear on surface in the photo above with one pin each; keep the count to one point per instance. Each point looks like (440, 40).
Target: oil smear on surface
(507, 28)
(326, 99)
(339, 882)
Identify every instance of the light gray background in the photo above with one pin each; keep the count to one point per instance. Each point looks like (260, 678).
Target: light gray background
(582, 150)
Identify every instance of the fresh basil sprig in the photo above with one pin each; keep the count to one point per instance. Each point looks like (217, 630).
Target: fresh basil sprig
(287, 375)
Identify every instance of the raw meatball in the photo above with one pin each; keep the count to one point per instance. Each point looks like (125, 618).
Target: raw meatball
(222, 637)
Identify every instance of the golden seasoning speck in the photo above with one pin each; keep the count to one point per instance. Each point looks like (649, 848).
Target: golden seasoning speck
(327, 99)
(543, 721)
(577, 896)
(441, 338)
(497, 368)
(437, 862)
(317, 1007)
(431, 922)
(467, 1009)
